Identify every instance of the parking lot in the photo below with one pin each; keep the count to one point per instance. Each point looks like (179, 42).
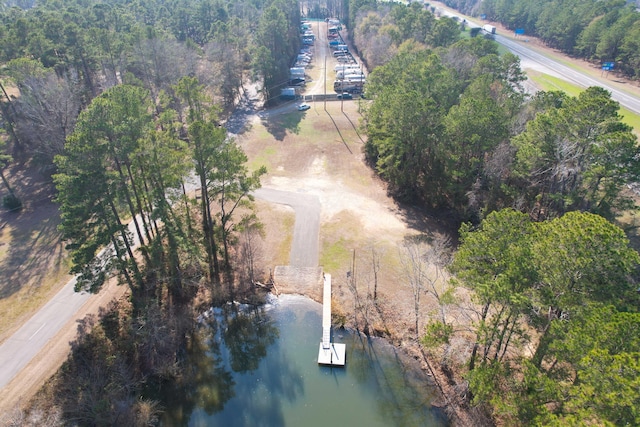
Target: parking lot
(330, 70)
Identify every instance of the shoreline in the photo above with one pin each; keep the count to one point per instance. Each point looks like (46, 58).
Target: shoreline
(454, 404)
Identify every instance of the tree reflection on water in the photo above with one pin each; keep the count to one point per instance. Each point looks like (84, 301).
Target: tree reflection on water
(247, 336)
(235, 340)
(258, 367)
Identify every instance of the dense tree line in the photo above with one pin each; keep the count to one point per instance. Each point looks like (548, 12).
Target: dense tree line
(550, 288)
(122, 103)
(122, 185)
(61, 55)
(324, 9)
(123, 161)
(277, 43)
(599, 31)
(450, 127)
(380, 28)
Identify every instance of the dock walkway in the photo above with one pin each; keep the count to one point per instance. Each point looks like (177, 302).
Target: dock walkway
(329, 353)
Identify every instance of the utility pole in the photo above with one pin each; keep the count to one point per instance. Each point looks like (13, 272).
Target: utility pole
(353, 269)
(325, 83)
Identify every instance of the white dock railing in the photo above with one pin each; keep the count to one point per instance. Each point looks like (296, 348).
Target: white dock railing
(329, 353)
(326, 312)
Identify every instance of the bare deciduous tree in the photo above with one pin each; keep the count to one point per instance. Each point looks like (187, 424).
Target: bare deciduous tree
(437, 257)
(376, 254)
(357, 278)
(251, 250)
(414, 270)
(225, 69)
(161, 63)
(47, 111)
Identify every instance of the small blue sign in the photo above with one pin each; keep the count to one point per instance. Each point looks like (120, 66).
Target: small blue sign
(519, 31)
(608, 65)
(483, 16)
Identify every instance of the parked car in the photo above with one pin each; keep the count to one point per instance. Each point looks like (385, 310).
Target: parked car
(303, 107)
(345, 95)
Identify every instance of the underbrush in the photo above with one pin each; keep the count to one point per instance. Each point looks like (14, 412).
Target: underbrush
(113, 357)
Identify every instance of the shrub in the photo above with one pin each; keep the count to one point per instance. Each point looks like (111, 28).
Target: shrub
(11, 202)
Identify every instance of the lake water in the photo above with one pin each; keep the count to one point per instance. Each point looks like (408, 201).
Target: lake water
(259, 367)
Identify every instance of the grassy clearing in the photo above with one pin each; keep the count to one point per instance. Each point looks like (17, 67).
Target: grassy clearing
(326, 146)
(339, 238)
(284, 248)
(263, 158)
(502, 50)
(278, 221)
(630, 118)
(336, 256)
(547, 83)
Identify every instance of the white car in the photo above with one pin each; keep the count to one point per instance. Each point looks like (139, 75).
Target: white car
(303, 107)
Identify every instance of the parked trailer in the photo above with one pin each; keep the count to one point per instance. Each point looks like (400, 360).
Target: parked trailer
(351, 86)
(296, 72)
(346, 59)
(288, 93)
(489, 29)
(349, 74)
(346, 67)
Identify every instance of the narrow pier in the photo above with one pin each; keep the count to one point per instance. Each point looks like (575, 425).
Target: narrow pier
(329, 353)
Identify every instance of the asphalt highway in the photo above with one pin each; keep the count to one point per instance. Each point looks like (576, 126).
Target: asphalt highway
(569, 74)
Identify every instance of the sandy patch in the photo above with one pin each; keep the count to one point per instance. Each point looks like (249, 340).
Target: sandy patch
(336, 197)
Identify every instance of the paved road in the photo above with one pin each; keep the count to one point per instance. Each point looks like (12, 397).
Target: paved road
(304, 248)
(18, 350)
(22, 346)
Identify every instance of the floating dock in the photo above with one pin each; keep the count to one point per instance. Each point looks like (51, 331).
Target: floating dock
(332, 354)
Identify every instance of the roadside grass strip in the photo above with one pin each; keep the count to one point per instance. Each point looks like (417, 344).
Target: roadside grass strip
(549, 83)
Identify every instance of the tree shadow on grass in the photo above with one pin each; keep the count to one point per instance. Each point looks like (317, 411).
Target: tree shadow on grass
(239, 121)
(355, 128)
(432, 222)
(279, 125)
(339, 133)
(31, 243)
